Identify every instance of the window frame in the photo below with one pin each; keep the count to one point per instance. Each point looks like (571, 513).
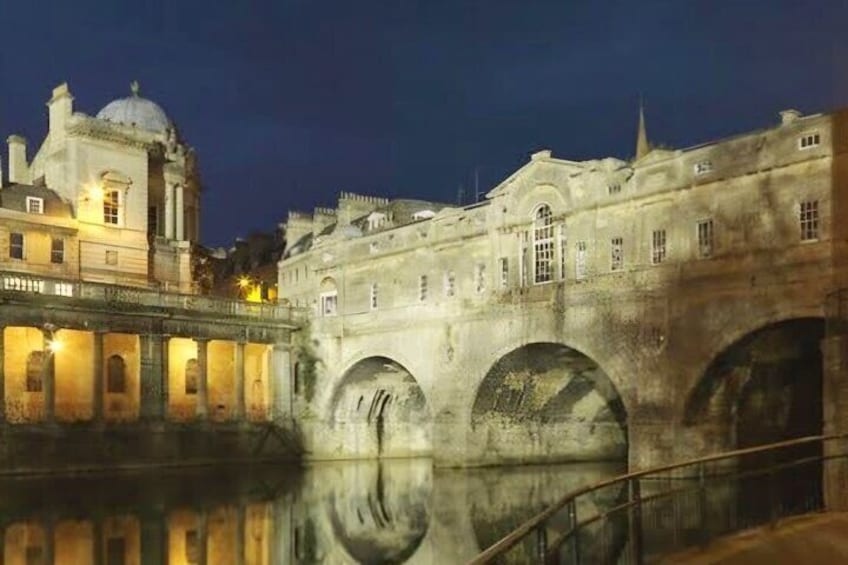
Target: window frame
(422, 288)
(30, 200)
(659, 246)
(373, 297)
(112, 207)
(581, 255)
(705, 238)
(616, 254)
(57, 252)
(480, 278)
(809, 220)
(503, 263)
(543, 244)
(17, 246)
(814, 138)
(329, 303)
(703, 167)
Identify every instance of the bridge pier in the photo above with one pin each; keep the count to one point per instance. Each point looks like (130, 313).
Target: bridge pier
(835, 412)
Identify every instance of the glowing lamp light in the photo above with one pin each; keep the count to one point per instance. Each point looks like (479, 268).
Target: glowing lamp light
(244, 282)
(94, 190)
(55, 346)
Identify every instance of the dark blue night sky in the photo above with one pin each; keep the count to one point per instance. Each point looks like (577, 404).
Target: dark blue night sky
(289, 103)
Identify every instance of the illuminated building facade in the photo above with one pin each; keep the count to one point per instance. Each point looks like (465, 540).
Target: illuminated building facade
(102, 328)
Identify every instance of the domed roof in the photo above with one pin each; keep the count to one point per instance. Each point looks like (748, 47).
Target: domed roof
(136, 111)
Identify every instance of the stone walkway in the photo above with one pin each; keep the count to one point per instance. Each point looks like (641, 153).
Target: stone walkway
(818, 538)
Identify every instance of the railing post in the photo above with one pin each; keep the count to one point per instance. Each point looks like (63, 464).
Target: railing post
(702, 504)
(541, 543)
(636, 520)
(575, 532)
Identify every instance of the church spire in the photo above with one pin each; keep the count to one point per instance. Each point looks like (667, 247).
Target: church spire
(642, 145)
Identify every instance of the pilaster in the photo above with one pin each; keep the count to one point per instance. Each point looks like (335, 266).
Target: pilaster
(154, 371)
(97, 378)
(48, 381)
(835, 414)
(202, 408)
(239, 382)
(281, 371)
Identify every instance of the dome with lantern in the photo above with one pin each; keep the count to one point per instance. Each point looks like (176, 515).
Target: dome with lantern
(136, 111)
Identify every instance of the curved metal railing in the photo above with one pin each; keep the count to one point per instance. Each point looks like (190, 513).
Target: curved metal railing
(646, 514)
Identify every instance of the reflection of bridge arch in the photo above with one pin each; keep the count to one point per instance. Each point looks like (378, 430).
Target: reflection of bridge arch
(380, 407)
(763, 387)
(547, 401)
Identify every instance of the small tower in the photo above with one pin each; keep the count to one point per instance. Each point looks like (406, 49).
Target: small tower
(642, 145)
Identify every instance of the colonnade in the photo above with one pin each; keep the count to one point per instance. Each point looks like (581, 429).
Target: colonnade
(64, 375)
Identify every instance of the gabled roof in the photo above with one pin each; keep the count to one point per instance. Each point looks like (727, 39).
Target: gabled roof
(14, 197)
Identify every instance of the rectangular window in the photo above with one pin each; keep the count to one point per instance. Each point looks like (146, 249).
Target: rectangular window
(703, 167)
(329, 303)
(614, 188)
(658, 249)
(563, 253)
(16, 245)
(63, 289)
(809, 220)
(480, 278)
(34, 205)
(450, 284)
(111, 206)
(616, 254)
(504, 263)
(373, 296)
(112, 258)
(422, 288)
(809, 140)
(580, 260)
(57, 250)
(705, 238)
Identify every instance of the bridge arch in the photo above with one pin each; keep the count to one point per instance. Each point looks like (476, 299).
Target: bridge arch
(545, 401)
(764, 385)
(379, 409)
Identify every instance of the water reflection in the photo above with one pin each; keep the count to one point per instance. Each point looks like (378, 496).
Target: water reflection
(398, 511)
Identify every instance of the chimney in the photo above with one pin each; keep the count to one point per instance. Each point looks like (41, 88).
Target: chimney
(60, 107)
(789, 116)
(18, 168)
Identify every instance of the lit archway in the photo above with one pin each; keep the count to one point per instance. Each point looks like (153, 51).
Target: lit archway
(548, 402)
(381, 410)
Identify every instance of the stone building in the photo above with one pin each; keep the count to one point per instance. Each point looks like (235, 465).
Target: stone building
(103, 332)
(583, 310)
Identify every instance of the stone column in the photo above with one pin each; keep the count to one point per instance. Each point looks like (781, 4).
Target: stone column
(202, 408)
(2, 375)
(98, 378)
(835, 414)
(169, 210)
(180, 213)
(153, 377)
(154, 538)
(281, 377)
(239, 379)
(202, 536)
(240, 534)
(48, 381)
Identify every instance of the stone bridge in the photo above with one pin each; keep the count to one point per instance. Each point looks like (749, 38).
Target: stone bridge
(680, 314)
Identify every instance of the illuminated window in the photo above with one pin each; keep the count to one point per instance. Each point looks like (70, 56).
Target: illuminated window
(543, 245)
(658, 248)
(111, 206)
(580, 260)
(16, 245)
(373, 296)
(116, 379)
(809, 220)
(34, 205)
(809, 140)
(616, 254)
(703, 167)
(504, 263)
(422, 288)
(192, 376)
(34, 371)
(450, 284)
(480, 278)
(63, 289)
(57, 250)
(704, 230)
(111, 257)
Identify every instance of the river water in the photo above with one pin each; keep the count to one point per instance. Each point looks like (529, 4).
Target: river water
(396, 511)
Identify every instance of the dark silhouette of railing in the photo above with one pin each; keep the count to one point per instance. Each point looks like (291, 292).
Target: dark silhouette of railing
(643, 515)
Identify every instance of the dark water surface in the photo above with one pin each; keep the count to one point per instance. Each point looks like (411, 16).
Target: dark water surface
(399, 511)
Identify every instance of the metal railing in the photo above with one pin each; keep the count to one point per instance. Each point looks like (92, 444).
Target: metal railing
(140, 298)
(644, 515)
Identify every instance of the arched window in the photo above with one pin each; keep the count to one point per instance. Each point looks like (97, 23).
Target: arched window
(34, 371)
(543, 244)
(116, 375)
(192, 375)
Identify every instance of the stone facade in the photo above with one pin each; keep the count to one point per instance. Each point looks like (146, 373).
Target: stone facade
(108, 356)
(579, 311)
